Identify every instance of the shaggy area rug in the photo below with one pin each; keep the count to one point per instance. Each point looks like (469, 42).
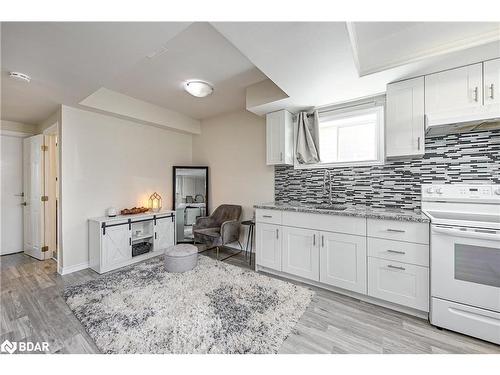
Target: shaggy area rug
(215, 308)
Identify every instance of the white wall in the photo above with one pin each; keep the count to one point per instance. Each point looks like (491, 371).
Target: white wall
(234, 148)
(14, 126)
(107, 161)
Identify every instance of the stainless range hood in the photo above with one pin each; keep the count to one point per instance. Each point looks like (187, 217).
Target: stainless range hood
(462, 124)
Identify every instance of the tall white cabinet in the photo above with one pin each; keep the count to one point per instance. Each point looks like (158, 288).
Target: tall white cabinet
(405, 127)
(123, 240)
(279, 138)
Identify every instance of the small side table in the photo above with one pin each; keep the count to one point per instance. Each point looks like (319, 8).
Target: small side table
(251, 229)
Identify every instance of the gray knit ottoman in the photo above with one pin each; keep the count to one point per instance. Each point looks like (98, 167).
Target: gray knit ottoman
(181, 258)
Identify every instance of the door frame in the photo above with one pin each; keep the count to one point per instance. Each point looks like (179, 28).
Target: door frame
(54, 130)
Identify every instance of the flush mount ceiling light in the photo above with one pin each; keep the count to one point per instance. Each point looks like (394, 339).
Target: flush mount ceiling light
(199, 89)
(20, 76)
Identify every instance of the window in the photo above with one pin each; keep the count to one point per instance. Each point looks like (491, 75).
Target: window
(351, 137)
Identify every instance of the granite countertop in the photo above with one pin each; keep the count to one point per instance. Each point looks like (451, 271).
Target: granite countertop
(351, 210)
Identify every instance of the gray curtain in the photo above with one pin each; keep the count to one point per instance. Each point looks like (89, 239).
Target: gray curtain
(307, 148)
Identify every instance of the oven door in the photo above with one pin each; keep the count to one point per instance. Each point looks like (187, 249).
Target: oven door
(465, 265)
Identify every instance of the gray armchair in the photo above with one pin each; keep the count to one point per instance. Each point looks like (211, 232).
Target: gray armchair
(220, 228)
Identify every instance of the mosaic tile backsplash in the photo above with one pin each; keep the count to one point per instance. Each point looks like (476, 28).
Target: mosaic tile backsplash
(467, 158)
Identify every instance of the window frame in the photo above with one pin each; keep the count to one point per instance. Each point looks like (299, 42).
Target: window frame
(378, 109)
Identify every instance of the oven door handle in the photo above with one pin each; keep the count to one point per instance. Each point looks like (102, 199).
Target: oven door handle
(483, 234)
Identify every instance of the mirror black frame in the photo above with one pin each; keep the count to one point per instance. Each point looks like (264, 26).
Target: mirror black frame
(174, 185)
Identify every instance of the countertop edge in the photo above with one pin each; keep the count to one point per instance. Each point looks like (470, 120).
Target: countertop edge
(410, 216)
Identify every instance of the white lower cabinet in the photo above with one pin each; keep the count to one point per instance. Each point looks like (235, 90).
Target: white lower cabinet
(384, 259)
(301, 252)
(343, 261)
(268, 241)
(400, 283)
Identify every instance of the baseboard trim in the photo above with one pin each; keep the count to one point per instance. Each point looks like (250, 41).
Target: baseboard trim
(362, 297)
(74, 268)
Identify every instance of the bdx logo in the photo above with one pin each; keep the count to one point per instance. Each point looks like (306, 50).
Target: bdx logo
(22, 346)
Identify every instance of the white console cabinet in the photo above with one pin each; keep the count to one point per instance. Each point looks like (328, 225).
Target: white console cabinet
(123, 240)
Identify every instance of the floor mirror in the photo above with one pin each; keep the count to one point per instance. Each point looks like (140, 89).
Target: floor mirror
(190, 194)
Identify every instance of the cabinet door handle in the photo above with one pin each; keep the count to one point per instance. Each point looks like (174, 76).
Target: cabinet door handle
(492, 90)
(267, 216)
(322, 240)
(277, 235)
(396, 252)
(396, 267)
(130, 241)
(314, 240)
(418, 143)
(476, 94)
(281, 156)
(155, 235)
(396, 230)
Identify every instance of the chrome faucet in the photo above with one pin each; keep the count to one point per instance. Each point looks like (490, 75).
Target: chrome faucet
(328, 174)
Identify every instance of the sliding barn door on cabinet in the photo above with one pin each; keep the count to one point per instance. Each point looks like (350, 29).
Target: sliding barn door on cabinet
(116, 245)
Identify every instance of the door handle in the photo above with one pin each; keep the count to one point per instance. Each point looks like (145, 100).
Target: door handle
(396, 267)
(492, 90)
(396, 230)
(396, 252)
(130, 241)
(418, 143)
(267, 216)
(314, 240)
(24, 204)
(277, 236)
(322, 240)
(19, 195)
(476, 94)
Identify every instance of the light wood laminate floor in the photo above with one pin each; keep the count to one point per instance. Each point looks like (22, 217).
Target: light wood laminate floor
(32, 309)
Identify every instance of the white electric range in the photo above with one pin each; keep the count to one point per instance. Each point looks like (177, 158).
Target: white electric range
(465, 257)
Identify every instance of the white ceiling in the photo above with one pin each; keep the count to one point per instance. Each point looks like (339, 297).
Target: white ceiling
(378, 46)
(70, 61)
(313, 62)
(199, 52)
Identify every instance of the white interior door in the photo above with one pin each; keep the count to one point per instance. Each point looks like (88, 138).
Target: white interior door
(33, 191)
(12, 188)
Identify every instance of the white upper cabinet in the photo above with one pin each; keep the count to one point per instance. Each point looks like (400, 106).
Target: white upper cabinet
(492, 85)
(279, 138)
(454, 95)
(405, 127)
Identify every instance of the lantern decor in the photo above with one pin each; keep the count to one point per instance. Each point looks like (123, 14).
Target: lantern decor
(155, 202)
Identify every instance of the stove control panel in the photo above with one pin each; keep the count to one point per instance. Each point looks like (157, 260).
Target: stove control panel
(461, 192)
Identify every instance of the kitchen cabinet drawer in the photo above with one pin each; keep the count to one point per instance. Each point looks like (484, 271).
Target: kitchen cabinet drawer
(328, 223)
(400, 283)
(399, 230)
(268, 216)
(399, 251)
